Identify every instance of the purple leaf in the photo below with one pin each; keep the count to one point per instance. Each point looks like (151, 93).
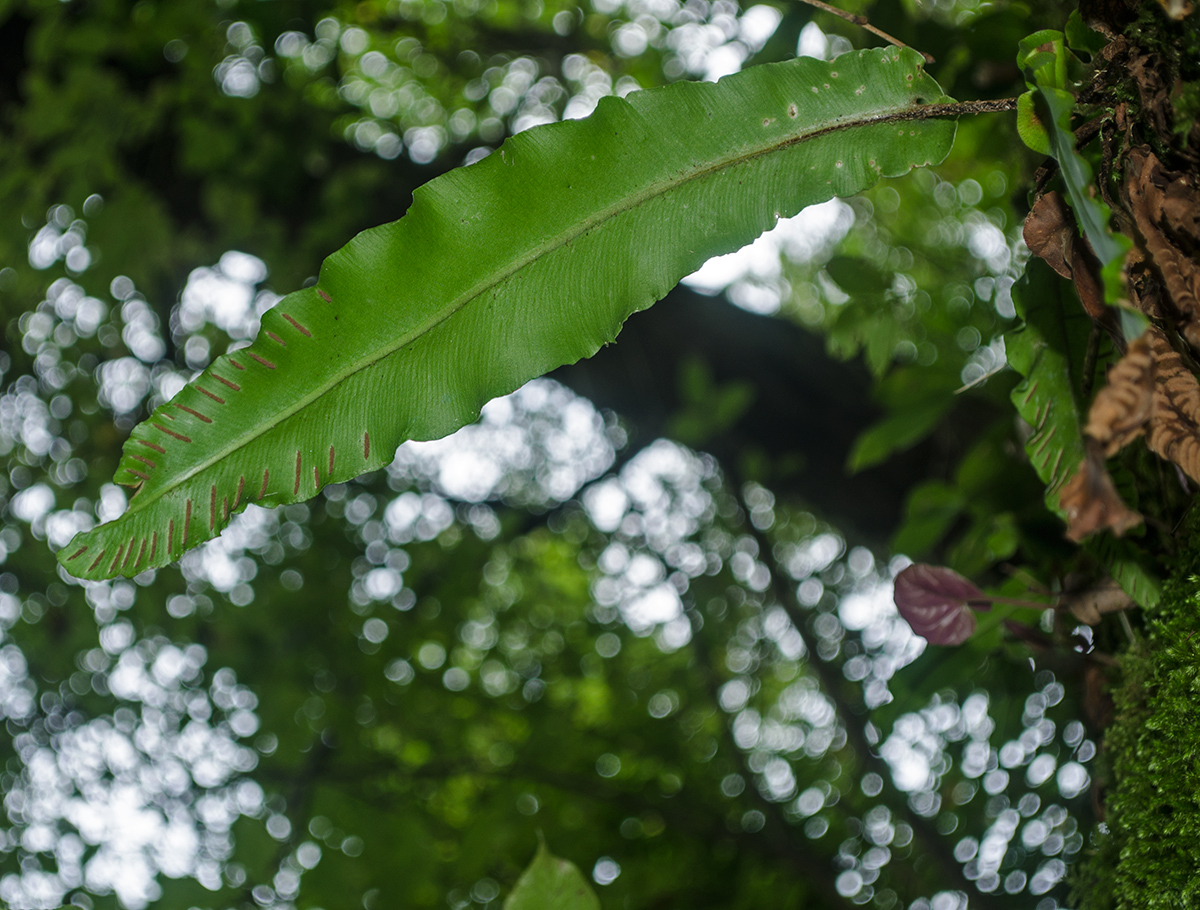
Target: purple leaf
(934, 600)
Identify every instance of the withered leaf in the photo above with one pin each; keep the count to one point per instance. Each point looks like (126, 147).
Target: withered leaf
(1150, 391)
(1091, 502)
(1090, 604)
(1174, 428)
(933, 601)
(1051, 233)
(1120, 410)
(1146, 184)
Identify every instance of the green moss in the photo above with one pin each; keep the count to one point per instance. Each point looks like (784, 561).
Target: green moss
(1150, 857)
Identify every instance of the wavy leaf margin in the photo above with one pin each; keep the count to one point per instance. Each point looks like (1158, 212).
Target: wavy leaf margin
(500, 272)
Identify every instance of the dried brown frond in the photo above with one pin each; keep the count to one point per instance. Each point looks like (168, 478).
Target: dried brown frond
(1121, 409)
(1173, 430)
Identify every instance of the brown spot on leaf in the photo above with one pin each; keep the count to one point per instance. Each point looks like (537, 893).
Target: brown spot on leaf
(184, 407)
(297, 326)
(262, 360)
(129, 554)
(210, 394)
(232, 385)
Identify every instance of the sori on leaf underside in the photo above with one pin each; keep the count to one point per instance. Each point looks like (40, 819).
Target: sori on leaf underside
(501, 271)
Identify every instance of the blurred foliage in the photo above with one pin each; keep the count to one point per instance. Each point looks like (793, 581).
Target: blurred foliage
(699, 694)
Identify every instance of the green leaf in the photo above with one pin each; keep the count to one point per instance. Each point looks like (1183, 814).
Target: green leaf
(499, 272)
(550, 883)
(1030, 127)
(916, 400)
(1081, 37)
(1077, 174)
(931, 509)
(1044, 124)
(1129, 567)
(895, 434)
(708, 409)
(857, 276)
(1048, 351)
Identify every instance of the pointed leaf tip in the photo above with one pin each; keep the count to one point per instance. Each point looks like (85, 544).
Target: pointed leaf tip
(934, 600)
(550, 883)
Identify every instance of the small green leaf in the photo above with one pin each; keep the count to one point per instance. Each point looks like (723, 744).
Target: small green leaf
(550, 883)
(857, 276)
(1030, 127)
(931, 509)
(895, 434)
(1133, 322)
(1042, 56)
(1082, 38)
(708, 409)
(916, 400)
(1128, 566)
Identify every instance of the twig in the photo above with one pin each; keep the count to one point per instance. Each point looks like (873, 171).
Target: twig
(861, 22)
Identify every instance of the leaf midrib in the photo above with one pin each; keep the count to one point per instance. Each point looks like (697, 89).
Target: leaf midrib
(535, 253)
